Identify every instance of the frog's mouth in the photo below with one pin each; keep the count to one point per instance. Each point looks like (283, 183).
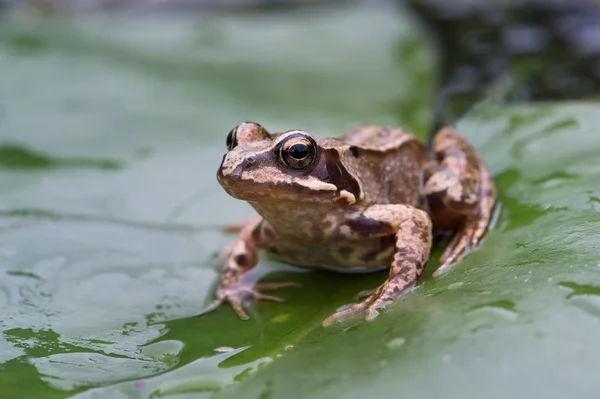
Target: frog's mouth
(288, 192)
(253, 191)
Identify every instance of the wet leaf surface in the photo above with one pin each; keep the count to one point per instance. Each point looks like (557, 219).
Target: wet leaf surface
(110, 219)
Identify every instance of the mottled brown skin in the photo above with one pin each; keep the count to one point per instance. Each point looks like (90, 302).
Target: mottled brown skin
(368, 200)
(460, 194)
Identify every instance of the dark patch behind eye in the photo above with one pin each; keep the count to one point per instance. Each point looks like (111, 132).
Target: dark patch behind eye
(338, 175)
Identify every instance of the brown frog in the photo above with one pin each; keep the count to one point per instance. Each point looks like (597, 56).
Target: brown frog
(367, 200)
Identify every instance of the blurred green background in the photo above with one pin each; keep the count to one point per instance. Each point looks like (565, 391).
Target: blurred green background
(113, 119)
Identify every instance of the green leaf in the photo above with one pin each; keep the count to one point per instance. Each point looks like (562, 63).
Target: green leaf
(110, 218)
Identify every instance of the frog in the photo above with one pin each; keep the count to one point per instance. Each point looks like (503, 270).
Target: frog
(372, 199)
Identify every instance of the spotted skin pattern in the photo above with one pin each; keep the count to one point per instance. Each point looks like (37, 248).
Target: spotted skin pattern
(371, 199)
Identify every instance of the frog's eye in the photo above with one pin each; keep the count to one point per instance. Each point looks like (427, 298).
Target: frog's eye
(298, 151)
(231, 139)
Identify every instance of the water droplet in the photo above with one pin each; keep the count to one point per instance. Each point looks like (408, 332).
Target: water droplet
(280, 318)
(454, 286)
(396, 343)
(489, 315)
(350, 328)
(163, 349)
(289, 347)
(224, 349)
(503, 305)
(493, 313)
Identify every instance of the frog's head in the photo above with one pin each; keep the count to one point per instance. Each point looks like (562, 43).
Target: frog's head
(289, 166)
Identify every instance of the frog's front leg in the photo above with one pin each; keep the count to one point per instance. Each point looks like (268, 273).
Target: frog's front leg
(241, 258)
(413, 243)
(460, 194)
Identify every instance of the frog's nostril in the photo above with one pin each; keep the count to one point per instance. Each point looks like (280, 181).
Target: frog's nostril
(235, 174)
(233, 178)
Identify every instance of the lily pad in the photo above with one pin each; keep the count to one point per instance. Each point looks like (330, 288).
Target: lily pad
(111, 214)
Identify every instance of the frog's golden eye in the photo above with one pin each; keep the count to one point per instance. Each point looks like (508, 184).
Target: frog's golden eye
(298, 151)
(231, 139)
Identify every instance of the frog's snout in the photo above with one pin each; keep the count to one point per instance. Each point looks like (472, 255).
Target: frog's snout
(228, 179)
(230, 171)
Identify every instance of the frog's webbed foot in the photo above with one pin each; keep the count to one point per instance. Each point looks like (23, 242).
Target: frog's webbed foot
(236, 293)
(378, 299)
(461, 195)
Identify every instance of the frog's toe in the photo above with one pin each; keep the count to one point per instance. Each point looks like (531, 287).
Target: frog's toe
(449, 250)
(259, 295)
(236, 304)
(275, 286)
(345, 313)
(213, 305)
(462, 242)
(373, 310)
(236, 293)
(257, 291)
(370, 306)
(364, 294)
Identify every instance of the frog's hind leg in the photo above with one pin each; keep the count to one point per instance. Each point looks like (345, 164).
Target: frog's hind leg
(460, 194)
(473, 228)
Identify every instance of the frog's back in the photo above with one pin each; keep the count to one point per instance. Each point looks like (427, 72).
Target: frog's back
(389, 162)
